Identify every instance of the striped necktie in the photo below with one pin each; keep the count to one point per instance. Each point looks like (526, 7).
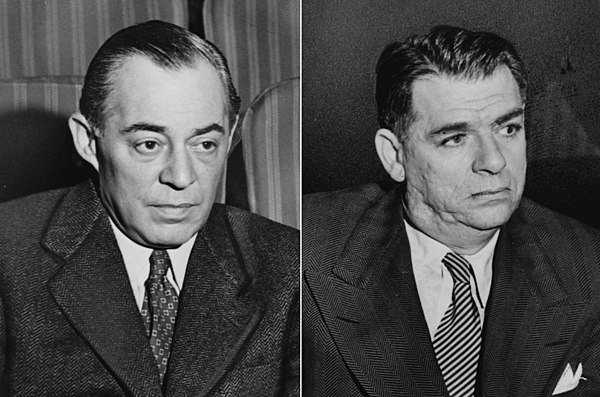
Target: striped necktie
(457, 340)
(159, 309)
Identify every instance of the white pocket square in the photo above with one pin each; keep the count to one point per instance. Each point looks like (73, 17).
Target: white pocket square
(568, 379)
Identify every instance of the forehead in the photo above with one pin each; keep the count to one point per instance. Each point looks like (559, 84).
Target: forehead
(444, 99)
(140, 87)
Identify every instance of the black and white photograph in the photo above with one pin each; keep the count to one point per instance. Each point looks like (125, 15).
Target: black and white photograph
(450, 169)
(150, 188)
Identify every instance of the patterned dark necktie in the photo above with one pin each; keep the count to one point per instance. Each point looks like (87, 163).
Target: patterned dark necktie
(159, 309)
(457, 340)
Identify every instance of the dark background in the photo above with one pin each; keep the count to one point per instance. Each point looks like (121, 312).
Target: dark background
(559, 42)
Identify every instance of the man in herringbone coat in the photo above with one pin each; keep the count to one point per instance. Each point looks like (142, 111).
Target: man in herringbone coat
(156, 123)
(377, 284)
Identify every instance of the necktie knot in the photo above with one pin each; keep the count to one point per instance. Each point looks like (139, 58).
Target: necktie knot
(159, 264)
(459, 267)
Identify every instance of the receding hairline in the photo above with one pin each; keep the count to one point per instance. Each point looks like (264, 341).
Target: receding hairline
(122, 63)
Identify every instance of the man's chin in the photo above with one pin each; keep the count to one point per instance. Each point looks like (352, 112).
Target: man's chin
(167, 238)
(490, 218)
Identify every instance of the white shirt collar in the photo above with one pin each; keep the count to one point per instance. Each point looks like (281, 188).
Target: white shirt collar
(137, 262)
(431, 251)
(434, 284)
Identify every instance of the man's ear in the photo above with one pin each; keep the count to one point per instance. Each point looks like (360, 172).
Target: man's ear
(390, 153)
(83, 139)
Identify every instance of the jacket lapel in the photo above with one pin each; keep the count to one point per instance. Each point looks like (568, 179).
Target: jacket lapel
(371, 307)
(529, 318)
(92, 288)
(219, 309)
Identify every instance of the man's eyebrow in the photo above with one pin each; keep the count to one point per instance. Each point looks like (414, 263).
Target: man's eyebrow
(143, 127)
(462, 126)
(209, 128)
(161, 129)
(509, 116)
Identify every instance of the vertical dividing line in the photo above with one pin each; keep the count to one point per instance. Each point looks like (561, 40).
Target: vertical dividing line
(296, 144)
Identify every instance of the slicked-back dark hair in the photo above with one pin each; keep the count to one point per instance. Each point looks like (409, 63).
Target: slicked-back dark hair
(444, 51)
(168, 45)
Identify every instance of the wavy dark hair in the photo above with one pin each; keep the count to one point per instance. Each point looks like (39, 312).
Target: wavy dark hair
(444, 51)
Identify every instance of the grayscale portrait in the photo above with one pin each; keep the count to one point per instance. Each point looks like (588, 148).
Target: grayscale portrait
(150, 184)
(450, 173)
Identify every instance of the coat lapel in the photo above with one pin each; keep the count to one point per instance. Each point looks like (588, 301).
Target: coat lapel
(371, 307)
(92, 288)
(219, 309)
(369, 303)
(529, 318)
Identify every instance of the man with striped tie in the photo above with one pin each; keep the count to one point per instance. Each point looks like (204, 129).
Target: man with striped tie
(450, 284)
(136, 283)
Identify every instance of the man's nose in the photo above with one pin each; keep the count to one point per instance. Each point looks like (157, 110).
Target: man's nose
(179, 171)
(489, 158)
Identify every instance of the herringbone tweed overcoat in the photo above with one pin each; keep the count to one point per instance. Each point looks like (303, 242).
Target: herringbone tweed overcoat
(69, 324)
(364, 332)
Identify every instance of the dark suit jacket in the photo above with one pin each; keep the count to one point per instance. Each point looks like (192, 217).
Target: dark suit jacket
(364, 332)
(69, 324)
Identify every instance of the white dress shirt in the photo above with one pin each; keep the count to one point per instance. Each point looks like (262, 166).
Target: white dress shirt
(137, 262)
(434, 282)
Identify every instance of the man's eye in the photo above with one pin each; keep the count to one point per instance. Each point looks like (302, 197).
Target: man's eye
(511, 129)
(206, 146)
(147, 147)
(454, 140)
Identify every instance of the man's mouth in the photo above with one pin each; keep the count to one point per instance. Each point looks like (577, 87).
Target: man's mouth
(174, 212)
(491, 192)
